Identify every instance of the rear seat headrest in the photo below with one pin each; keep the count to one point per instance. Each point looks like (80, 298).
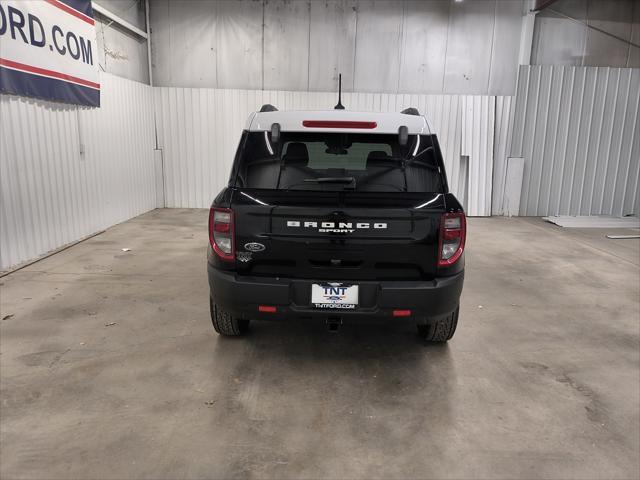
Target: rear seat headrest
(377, 155)
(378, 158)
(296, 153)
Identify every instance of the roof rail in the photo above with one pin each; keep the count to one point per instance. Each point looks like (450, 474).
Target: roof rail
(411, 111)
(267, 107)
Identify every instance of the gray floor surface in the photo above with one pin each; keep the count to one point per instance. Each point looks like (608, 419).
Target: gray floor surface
(110, 368)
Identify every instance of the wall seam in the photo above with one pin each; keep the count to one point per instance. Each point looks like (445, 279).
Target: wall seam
(400, 38)
(263, 27)
(585, 37)
(355, 50)
(493, 39)
(446, 48)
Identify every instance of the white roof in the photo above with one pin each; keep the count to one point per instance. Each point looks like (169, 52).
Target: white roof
(291, 121)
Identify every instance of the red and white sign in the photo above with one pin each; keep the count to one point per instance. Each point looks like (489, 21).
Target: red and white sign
(48, 50)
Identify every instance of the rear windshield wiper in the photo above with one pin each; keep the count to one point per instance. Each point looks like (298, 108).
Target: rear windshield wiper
(331, 180)
(350, 181)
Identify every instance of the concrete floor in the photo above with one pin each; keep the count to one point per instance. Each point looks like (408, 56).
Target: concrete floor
(541, 379)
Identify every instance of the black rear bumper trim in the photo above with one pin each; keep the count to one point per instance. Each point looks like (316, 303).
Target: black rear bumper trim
(241, 295)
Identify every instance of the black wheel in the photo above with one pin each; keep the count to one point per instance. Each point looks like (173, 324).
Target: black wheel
(442, 330)
(225, 324)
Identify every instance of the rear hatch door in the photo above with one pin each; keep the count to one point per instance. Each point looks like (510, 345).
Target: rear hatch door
(337, 235)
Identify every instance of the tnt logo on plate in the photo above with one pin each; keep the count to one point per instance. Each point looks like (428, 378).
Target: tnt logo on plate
(334, 293)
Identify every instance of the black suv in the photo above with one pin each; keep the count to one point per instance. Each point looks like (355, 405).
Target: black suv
(337, 216)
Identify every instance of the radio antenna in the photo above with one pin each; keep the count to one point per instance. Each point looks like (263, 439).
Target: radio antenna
(339, 106)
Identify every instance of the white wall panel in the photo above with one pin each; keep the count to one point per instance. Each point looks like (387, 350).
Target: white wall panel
(51, 193)
(121, 52)
(286, 45)
(505, 47)
(183, 42)
(392, 46)
(469, 47)
(161, 42)
(332, 40)
(634, 52)
(612, 16)
(377, 52)
(424, 46)
(119, 139)
(559, 40)
(238, 44)
(577, 129)
(199, 129)
(478, 120)
(503, 132)
(132, 12)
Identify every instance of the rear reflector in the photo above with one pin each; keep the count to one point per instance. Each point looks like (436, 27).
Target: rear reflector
(266, 309)
(402, 313)
(338, 124)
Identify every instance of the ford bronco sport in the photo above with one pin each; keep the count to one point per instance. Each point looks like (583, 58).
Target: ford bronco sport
(337, 216)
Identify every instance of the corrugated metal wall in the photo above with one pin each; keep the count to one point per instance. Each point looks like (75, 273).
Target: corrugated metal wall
(198, 130)
(577, 129)
(478, 126)
(51, 193)
(503, 131)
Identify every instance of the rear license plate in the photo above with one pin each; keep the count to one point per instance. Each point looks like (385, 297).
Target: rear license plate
(334, 296)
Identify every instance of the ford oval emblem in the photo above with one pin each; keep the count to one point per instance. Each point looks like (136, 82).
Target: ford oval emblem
(254, 247)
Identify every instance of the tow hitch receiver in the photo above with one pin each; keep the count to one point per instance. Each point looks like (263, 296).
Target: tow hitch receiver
(333, 324)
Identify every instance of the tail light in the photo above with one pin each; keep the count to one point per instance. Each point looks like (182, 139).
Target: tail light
(453, 231)
(221, 233)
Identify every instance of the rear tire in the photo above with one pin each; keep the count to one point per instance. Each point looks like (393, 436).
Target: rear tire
(442, 330)
(225, 324)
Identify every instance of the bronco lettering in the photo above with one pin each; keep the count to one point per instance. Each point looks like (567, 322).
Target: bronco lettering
(336, 227)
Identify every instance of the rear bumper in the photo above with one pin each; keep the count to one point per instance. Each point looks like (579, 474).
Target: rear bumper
(241, 295)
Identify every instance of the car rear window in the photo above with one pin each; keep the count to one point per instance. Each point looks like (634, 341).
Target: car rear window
(354, 159)
(338, 161)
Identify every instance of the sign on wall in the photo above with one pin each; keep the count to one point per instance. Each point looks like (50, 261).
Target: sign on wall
(48, 50)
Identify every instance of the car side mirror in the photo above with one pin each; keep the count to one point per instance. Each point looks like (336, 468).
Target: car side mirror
(403, 136)
(275, 132)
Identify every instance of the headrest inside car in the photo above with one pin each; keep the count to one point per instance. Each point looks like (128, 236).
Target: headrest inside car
(378, 158)
(297, 153)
